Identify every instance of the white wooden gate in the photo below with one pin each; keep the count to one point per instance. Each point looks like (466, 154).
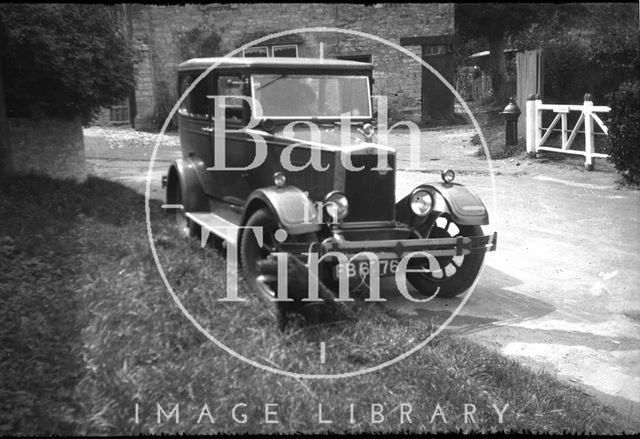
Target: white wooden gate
(536, 138)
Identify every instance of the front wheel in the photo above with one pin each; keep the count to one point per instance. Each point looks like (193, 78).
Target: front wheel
(453, 275)
(252, 254)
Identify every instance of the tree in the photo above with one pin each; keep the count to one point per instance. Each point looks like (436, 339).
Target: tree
(495, 21)
(61, 61)
(594, 53)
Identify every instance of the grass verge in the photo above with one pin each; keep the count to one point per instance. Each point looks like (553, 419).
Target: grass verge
(90, 333)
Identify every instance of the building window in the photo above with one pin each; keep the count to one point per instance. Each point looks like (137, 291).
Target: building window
(278, 51)
(285, 50)
(256, 51)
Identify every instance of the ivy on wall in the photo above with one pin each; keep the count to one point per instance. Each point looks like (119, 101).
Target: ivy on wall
(198, 42)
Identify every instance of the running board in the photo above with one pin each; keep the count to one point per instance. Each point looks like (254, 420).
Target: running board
(212, 223)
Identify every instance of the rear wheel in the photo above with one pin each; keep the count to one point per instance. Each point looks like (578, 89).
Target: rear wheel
(453, 275)
(186, 227)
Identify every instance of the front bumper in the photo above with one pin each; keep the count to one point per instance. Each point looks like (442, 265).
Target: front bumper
(398, 248)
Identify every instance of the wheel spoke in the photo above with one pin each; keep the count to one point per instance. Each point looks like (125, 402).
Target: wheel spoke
(446, 227)
(437, 272)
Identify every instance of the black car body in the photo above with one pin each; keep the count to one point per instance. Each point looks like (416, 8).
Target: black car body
(318, 113)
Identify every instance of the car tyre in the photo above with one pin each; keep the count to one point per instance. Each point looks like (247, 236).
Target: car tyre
(454, 275)
(252, 256)
(186, 226)
(251, 253)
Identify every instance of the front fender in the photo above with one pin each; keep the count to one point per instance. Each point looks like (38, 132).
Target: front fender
(464, 206)
(288, 205)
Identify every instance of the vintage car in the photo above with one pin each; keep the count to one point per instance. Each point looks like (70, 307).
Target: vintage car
(292, 151)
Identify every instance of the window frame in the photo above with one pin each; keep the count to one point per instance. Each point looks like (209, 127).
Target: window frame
(281, 46)
(333, 117)
(270, 50)
(266, 48)
(187, 105)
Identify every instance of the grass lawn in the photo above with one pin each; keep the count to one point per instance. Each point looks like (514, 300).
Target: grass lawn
(90, 332)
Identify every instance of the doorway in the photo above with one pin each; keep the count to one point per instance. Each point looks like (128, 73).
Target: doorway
(437, 99)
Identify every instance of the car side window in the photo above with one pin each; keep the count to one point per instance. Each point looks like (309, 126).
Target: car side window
(196, 103)
(231, 86)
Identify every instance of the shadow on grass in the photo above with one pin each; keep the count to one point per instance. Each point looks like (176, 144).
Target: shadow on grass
(43, 257)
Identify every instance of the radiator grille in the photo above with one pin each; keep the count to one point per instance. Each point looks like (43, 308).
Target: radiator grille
(371, 194)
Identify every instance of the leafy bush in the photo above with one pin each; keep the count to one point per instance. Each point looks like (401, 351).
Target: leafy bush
(574, 66)
(624, 130)
(566, 67)
(63, 60)
(163, 107)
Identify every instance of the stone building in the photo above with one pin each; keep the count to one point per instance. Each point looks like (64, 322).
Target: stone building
(164, 36)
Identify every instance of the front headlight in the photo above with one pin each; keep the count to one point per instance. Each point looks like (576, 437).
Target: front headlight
(421, 203)
(336, 206)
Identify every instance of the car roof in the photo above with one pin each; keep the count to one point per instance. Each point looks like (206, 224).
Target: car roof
(267, 62)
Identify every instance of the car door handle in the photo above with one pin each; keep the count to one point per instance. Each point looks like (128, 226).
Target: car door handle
(207, 129)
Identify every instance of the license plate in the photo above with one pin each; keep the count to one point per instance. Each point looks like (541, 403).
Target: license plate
(363, 268)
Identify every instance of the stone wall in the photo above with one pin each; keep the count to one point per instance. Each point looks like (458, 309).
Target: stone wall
(158, 28)
(52, 147)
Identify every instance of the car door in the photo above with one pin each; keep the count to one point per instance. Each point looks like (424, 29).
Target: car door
(232, 176)
(195, 127)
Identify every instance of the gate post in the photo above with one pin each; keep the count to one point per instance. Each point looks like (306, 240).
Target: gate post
(588, 132)
(537, 125)
(529, 130)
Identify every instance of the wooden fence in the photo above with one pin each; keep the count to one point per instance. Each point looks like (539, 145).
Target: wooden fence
(470, 88)
(481, 87)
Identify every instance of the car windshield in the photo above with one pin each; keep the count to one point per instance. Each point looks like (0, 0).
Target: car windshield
(311, 96)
